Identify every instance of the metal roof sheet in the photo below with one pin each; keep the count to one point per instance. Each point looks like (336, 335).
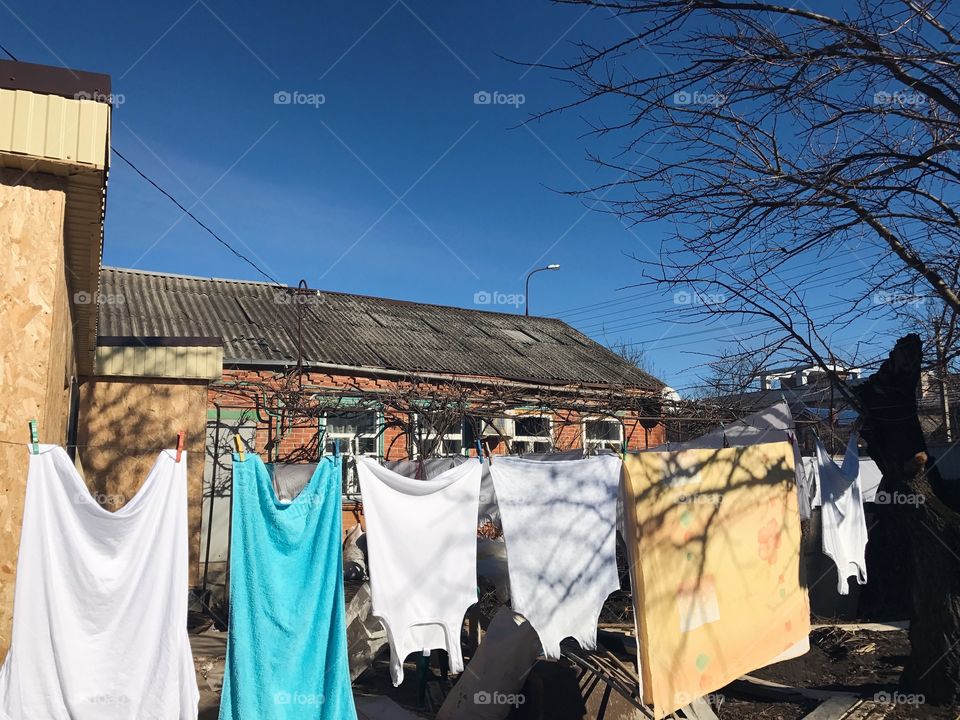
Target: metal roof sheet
(258, 325)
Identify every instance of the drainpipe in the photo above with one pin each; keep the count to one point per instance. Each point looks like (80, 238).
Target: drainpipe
(213, 497)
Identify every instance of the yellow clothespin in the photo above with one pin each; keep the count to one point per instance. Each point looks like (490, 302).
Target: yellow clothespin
(239, 443)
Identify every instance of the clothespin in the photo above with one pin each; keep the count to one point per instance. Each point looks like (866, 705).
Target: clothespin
(34, 437)
(239, 445)
(479, 452)
(336, 449)
(180, 445)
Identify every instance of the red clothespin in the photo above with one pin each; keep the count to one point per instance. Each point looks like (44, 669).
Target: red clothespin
(179, 445)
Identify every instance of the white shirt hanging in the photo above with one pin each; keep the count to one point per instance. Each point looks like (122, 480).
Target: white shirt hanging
(844, 520)
(559, 522)
(422, 547)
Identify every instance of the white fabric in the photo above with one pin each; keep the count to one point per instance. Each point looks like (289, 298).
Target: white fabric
(870, 477)
(844, 519)
(559, 523)
(422, 548)
(100, 606)
(766, 426)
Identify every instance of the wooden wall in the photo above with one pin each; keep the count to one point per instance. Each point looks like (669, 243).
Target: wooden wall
(37, 358)
(123, 426)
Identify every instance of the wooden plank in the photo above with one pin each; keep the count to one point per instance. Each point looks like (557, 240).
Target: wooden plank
(836, 708)
(699, 710)
(764, 689)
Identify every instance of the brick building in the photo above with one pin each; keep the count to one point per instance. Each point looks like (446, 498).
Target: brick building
(296, 373)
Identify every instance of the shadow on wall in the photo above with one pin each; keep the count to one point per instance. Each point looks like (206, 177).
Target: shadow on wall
(123, 426)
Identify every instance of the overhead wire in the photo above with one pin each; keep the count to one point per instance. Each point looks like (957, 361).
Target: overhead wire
(180, 205)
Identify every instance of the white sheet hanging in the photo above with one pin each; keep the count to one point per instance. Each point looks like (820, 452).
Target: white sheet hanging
(100, 606)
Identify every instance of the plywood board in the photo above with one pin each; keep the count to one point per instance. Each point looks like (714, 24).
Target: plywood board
(715, 540)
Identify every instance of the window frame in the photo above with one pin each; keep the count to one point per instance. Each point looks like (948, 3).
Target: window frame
(596, 444)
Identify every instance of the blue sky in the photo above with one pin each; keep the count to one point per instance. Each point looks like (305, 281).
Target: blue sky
(383, 176)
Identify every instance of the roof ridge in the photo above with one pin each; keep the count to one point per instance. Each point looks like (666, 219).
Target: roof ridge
(236, 281)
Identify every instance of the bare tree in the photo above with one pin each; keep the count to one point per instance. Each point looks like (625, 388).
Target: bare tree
(775, 142)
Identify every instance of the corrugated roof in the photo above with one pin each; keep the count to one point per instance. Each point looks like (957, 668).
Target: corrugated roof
(258, 325)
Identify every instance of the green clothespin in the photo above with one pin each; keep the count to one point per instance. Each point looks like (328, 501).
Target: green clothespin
(34, 437)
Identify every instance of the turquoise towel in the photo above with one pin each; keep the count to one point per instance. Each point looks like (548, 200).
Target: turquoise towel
(287, 647)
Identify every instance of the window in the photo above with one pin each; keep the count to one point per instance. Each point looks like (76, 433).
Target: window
(355, 429)
(449, 443)
(599, 434)
(532, 434)
(358, 434)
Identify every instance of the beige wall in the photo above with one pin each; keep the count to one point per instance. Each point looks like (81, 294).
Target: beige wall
(125, 423)
(36, 347)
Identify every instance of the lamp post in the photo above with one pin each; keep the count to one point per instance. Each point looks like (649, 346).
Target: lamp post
(526, 291)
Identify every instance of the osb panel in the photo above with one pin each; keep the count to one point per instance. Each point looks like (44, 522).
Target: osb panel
(123, 426)
(33, 323)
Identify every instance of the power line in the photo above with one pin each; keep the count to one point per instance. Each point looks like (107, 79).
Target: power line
(617, 324)
(197, 220)
(176, 202)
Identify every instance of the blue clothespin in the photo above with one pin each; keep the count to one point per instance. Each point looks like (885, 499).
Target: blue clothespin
(479, 452)
(336, 449)
(34, 437)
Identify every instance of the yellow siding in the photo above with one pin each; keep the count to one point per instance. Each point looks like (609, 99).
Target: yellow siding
(191, 363)
(76, 132)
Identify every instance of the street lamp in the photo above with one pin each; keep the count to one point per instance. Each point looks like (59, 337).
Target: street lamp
(526, 291)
